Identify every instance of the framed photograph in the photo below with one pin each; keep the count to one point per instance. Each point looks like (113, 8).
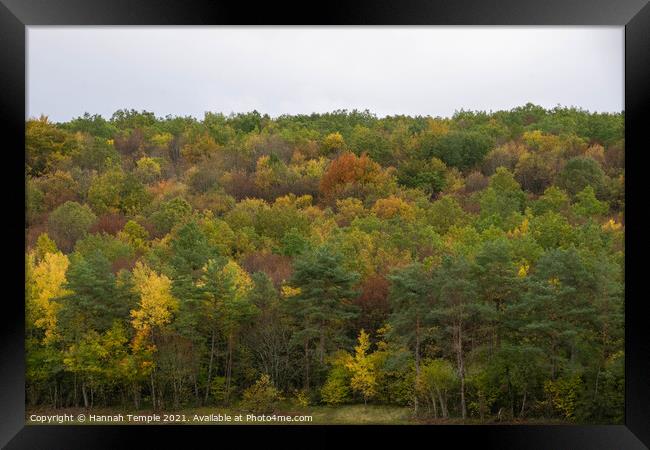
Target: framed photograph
(387, 218)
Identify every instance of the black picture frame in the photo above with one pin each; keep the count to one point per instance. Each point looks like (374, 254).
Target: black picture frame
(15, 15)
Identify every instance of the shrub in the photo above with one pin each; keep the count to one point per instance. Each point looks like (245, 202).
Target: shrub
(218, 389)
(262, 397)
(336, 389)
(301, 399)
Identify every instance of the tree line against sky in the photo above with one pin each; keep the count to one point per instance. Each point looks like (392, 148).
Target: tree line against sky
(468, 267)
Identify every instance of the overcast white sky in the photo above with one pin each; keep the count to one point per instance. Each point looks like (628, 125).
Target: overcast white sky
(389, 70)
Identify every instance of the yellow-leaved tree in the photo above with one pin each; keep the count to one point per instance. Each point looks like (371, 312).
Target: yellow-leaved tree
(156, 303)
(156, 306)
(45, 283)
(362, 368)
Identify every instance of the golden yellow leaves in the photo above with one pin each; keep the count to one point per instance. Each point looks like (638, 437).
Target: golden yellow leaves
(611, 225)
(333, 142)
(264, 172)
(390, 207)
(47, 283)
(362, 368)
(521, 230)
(288, 291)
(241, 280)
(162, 140)
(156, 300)
(523, 269)
(299, 202)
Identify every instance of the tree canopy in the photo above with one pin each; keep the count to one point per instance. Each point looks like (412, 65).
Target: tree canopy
(469, 267)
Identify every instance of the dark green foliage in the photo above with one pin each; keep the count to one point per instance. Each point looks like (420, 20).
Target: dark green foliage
(372, 142)
(426, 175)
(95, 300)
(324, 303)
(191, 249)
(95, 153)
(412, 298)
(462, 149)
(580, 173)
(94, 125)
(503, 201)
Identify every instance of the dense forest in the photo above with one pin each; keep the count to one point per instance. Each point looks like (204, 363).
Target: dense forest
(467, 268)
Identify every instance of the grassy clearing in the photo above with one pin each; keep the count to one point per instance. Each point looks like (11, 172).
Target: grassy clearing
(360, 414)
(321, 415)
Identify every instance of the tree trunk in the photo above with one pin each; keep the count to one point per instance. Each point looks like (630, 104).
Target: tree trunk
(417, 363)
(523, 404)
(435, 405)
(136, 395)
(497, 340)
(229, 366)
(321, 346)
(461, 368)
(512, 402)
(153, 391)
(573, 353)
(306, 364)
(207, 386)
(443, 405)
(553, 361)
(84, 393)
(153, 387)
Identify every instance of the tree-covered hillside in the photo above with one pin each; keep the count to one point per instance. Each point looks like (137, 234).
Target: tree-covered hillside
(468, 267)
